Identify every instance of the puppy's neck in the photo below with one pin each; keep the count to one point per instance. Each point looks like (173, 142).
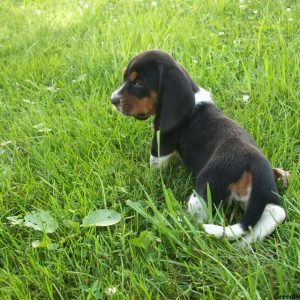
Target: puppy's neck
(203, 96)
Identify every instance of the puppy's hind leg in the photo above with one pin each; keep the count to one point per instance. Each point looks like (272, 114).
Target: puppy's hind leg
(197, 203)
(219, 179)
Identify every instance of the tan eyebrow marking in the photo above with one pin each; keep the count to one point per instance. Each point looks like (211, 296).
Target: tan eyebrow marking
(124, 71)
(133, 76)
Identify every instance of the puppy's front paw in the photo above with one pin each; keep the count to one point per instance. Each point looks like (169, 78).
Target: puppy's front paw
(161, 161)
(197, 208)
(154, 162)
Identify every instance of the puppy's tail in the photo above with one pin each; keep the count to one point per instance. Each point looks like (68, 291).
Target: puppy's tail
(262, 209)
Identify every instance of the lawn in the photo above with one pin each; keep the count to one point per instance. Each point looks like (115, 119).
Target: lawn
(65, 151)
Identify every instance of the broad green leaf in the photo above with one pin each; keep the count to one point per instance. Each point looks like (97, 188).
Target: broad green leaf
(101, 217)
(40, 221)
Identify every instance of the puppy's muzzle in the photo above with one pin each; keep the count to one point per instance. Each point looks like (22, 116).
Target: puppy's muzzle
(115, 101)
(116, 97)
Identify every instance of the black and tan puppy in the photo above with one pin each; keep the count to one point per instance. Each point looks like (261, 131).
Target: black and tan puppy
(217, 149)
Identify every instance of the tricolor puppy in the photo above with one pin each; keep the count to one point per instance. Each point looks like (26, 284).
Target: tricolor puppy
(217, 149)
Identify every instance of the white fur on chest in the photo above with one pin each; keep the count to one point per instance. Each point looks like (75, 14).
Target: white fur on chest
(203, 96)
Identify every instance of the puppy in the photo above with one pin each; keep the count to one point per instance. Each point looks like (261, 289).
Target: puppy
(220, 152)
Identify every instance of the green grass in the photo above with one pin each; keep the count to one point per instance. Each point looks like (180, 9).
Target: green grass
(59, 63)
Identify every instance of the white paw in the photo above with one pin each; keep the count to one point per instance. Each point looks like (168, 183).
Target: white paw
(214, 230)
(161, 161)
(232, 232)
(197, 208)
(154, 162)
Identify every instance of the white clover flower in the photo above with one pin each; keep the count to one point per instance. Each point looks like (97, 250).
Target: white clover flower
(45, 130)
(28, 101)
(255, 12)
(154, 3)
(289, 9)
(246, 98)
(38, 12)
(110, 291)
(243, 6)
(35, 243)
(221, 33)
(80, 78)
(290, 19)
(41, 127)
(52, 89)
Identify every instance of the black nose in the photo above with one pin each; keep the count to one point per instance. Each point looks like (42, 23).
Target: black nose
(115, 100)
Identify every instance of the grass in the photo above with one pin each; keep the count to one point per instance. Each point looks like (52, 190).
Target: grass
(66, 151)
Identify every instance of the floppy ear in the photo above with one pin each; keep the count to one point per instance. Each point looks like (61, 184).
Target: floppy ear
(176, 99)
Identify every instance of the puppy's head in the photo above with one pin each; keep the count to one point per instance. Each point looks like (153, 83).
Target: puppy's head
(154, 84)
